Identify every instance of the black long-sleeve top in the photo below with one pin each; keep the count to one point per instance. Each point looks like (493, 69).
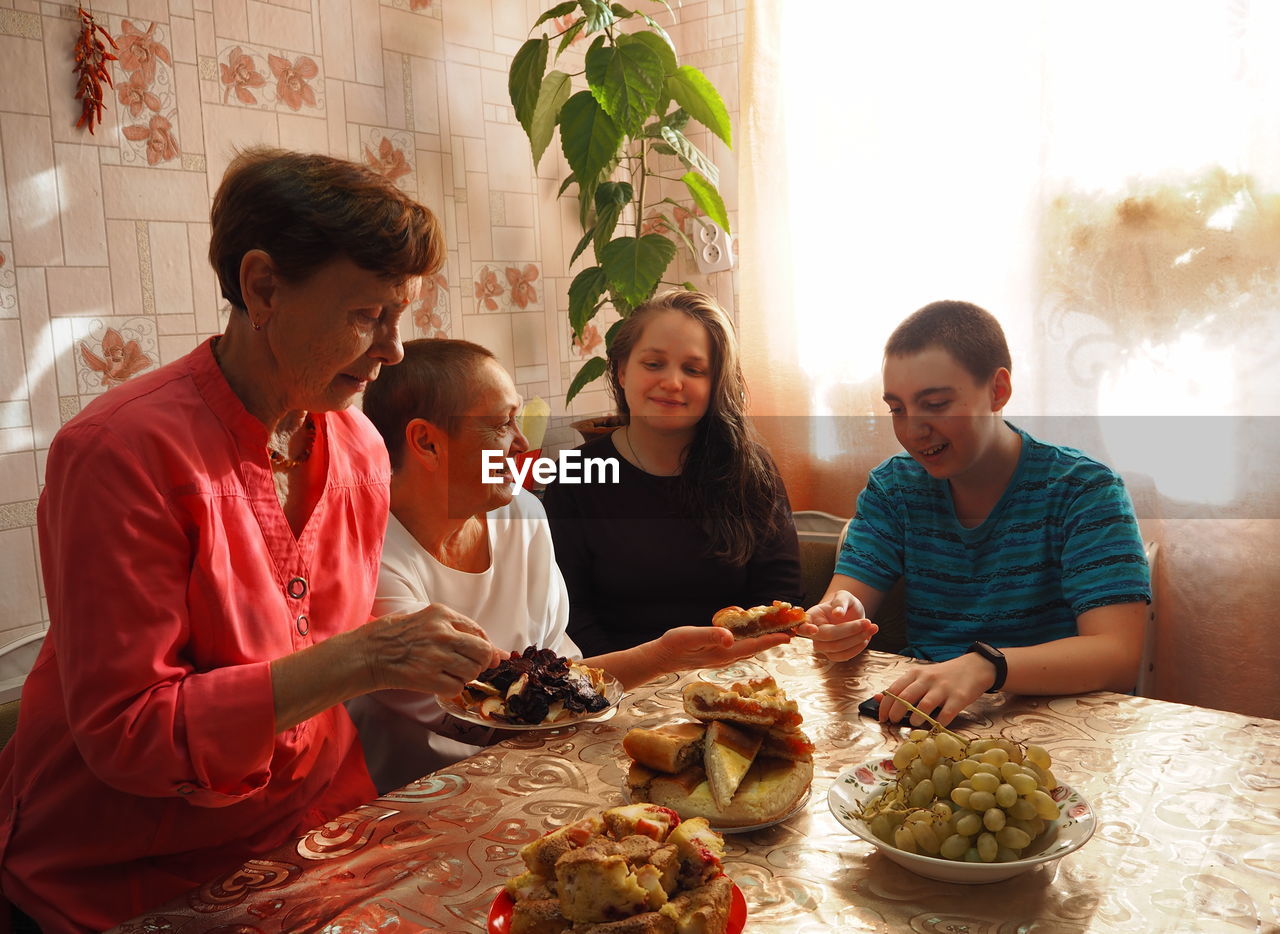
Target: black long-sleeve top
(636, 565)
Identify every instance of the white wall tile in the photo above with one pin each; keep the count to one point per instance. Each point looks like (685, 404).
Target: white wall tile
(231, 19)
(469, 25)
(426, 105)
(466, 116)
(79, 291)
(206, 296)
(274, 25)
(171, 270)
(143, 194)
(18, 477)
(336, 39)
(366, 104)
(25, 88)
(32, 187)
(493, 332)
(19, 591)
(366, 40)
(84, 231)
(407, 32)
(529, 339)
(305, 134)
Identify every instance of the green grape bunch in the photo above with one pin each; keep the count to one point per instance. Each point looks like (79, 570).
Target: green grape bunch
(985, 799)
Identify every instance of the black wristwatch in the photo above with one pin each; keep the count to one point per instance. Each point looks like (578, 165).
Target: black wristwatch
(995, 657)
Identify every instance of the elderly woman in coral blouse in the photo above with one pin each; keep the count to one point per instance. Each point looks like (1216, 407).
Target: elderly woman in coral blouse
(209, 617)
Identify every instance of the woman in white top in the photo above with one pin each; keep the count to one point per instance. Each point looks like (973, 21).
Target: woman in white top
(478, 548)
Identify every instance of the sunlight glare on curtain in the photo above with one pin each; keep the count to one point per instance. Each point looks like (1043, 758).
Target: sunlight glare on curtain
(927, 141)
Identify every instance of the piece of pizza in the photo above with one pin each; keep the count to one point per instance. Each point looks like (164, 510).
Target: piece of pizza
(759, 620)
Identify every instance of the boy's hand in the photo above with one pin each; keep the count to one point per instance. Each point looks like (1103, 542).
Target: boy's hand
(688, 647)
(952, 685)
(839, 628)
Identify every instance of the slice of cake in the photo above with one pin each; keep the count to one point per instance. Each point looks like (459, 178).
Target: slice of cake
(704, 910)
(728, 752)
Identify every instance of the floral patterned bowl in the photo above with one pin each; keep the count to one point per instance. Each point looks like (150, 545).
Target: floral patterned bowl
(863, 783)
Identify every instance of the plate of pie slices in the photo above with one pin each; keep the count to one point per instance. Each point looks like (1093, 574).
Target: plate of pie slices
(611, 691)
(499, 920)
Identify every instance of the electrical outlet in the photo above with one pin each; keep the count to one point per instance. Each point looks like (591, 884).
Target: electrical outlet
(712, 245)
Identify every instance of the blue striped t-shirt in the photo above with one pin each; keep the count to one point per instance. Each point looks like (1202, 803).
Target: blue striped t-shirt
(1063, 539)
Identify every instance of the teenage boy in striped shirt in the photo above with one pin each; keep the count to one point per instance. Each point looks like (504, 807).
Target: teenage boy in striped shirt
(1025, 570)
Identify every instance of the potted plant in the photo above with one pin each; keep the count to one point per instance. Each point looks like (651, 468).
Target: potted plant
(617, 133)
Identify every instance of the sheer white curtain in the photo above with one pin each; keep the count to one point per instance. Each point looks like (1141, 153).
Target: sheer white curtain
(1103, 176)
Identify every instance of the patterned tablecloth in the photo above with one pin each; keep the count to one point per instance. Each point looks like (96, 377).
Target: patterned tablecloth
(1187, 801)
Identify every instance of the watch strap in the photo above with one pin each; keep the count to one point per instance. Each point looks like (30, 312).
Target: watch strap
(997, 659)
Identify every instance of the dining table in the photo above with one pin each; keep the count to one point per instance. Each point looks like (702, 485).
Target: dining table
(1186, 802)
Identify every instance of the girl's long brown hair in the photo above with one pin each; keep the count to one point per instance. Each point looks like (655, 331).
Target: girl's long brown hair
(727, 482)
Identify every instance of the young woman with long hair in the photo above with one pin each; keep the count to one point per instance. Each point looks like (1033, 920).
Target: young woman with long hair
(699, 519)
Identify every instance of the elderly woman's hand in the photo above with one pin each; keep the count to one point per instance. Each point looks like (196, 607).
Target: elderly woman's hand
(839, 628)
(688, 647)
(434, 650)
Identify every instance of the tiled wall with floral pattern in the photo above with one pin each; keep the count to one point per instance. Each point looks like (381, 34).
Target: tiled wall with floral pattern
(103, 237)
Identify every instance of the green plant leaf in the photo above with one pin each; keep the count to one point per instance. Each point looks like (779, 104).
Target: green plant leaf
(692, 91)
(634, 266)
(610, 334)
(551, 97)
(626, 80)
(582, 245)
(692, 157)
(589, 137)
(621, 12)
(584, 291)
(664, 149)
(657, 28)
(656, 44)
(677, 120)
(611, 200)
(560, 9)
(606, 223)
(569, 179)
(597, 13)
(619, 193)
(707, 198)
(620, 305)
(525, 79)
(569, 35)
(593, 369)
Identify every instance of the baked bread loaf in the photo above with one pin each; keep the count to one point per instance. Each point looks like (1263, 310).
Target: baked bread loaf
(728, 752)
(770, 789)
(758, 703)
(759, 620)
(670, 748)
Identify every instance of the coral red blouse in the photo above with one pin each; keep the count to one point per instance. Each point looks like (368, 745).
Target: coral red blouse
(146, 760)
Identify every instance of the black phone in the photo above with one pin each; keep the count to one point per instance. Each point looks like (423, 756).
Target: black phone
(871, 708)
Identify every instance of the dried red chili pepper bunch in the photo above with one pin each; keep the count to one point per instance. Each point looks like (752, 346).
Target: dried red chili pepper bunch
(91, 65)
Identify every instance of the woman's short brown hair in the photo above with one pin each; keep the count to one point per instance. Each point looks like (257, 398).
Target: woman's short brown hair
(304, 209)
(435, 381)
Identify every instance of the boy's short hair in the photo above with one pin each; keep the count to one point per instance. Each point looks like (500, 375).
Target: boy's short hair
(304, 209)
(434, 382)
(972, 335)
